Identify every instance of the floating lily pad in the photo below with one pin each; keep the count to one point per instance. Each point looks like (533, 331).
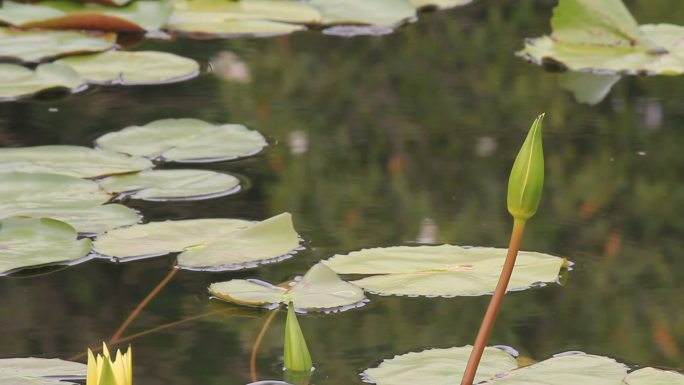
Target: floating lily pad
(36, 46)
(221, 18)
(438, 367)
(61, 14)
(133, 68)
(651, 376)
(185, 140)
(32, 381)
(164, 185)
(603, 37)
(587, 87)
(566, 370)
(439, 4)
(82, 162)
(205, 244)
(319, 289)
(206, 24)
(267, 241)
(31, 242)
(20, 82)
(444, 270)
(86, 219)
(20, 190)
(41, 367)
(377, 12)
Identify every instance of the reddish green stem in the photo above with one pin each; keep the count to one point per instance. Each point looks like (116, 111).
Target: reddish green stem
(494, 303)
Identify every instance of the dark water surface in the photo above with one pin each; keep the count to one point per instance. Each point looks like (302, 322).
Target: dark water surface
(384, 141)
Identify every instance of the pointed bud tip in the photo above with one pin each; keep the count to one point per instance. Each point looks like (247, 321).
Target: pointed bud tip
(527, 175)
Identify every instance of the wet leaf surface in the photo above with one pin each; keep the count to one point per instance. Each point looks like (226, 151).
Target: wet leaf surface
(132, 68)
(319, 289)
(36, 46)
(444, 270)
(18, 82)
(185, 140)
(31, 242)
(82, 162)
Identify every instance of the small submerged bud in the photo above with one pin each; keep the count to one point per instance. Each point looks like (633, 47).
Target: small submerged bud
(103, 371)
(527, 176)
(297, 357)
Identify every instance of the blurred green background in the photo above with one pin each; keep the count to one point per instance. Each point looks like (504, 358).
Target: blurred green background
(381, 141)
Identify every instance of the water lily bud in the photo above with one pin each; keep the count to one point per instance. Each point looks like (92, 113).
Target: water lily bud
(527, 176)
(297, 357)
(103, 371)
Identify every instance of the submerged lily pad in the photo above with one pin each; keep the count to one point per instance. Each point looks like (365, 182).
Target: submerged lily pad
(61, 14)
(319, 289)
(603, 37)
(587, 87)
(133, 68)
(20, 82)
(205, 244)
(237, 18)
(20, 190)
(86, 219)
(444, 270)
(82, 162)
(185, 140)
(651, 376)
(36, 46)
(376, 12)
(32, 381)
(164, 185)
(438, 367)
(33, 242)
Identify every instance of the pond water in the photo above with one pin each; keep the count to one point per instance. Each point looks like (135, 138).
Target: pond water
(382, 141)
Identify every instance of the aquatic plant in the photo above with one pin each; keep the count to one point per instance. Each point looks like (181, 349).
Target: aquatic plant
(103, 371)
(524, 193)
(296, 353)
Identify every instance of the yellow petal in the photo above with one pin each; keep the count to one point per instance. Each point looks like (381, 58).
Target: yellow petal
(91, 375)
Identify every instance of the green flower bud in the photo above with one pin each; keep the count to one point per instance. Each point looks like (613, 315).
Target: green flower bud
(527, 176)
(297, 357)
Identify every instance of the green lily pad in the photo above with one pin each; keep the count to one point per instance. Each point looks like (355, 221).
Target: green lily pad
(566, 370)
(439, 4)
(218, 18)
(651, 376)
(319, 289)
(81, 162)
(37, 190)
(33, 242)
(86, 219)
(40, 367)
(185, 140)
(165, 185)
(603, 37)
(377, 12)
(444, 270)
(438, 367)
(271, 240)
(20, 82)
(36, 46)
(32, 381)
(219, 25)
(133, 68)
(137, 16)
(587, 87)
(205, 244)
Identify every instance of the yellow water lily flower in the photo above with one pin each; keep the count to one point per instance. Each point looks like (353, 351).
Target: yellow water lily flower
(103, 371)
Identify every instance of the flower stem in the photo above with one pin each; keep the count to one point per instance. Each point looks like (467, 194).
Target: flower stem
(257, 344)
(141, 305)
(494, 303)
